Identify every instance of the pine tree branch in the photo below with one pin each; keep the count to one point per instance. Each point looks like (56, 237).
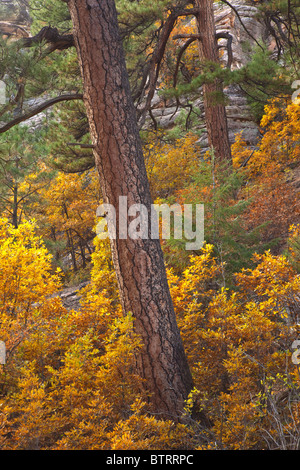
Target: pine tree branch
(187, 36)
(194, 37)
(153, 67)
(180, 54)
(83, 146)
(50, 36)
(241, 21)
(39, 109)
(229, 38)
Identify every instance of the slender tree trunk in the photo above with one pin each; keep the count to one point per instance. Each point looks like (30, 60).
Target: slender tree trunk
(72, 249)
(118, 152)
(15, 206)
(215, 112)
(53, 236)
(82, 252)
(70, 240)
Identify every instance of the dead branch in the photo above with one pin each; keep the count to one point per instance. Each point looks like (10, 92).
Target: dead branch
(229, 46)
(52, 37)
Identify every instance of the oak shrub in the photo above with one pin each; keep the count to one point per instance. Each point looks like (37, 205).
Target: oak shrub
(70, 381)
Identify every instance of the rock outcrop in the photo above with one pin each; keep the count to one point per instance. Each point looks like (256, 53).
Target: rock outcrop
(246, 29)
(15, 20)
(70, 296)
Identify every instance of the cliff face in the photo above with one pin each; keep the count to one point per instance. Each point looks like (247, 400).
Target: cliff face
(238, 112)
(228, 21)
(14, 19)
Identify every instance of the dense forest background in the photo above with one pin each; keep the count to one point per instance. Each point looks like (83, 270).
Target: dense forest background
(70, 381)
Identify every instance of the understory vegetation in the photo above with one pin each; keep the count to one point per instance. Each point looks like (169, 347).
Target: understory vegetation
(70, 379)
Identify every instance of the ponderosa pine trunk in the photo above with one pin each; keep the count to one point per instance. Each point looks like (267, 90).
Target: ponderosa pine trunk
(215, 111)
(119, 159)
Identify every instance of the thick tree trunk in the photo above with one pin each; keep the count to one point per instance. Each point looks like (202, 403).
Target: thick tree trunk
(215, 112)
(118, 152)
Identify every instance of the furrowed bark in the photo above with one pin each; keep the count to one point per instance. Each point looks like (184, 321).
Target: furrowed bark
(118, 154)
(215, 112)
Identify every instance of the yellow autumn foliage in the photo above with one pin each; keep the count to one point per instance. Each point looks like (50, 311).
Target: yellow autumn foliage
(70, 380)
(167, 163)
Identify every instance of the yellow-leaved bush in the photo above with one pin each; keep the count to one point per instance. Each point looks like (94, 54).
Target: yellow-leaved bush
(239, 347)
(271, 170)
(70, 380)
(279, 145)
(167, 163)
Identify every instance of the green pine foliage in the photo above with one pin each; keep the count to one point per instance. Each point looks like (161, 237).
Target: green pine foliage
(23, 172)
(218, 188)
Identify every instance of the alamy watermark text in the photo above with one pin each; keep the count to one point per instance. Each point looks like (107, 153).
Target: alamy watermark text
(137, 222)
